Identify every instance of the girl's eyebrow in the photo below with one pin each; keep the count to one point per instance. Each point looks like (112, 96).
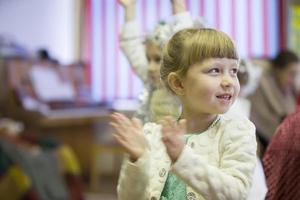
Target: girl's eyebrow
(220, 64)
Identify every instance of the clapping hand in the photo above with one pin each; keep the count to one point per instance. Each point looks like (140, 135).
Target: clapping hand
(130, 135)
(173, 136)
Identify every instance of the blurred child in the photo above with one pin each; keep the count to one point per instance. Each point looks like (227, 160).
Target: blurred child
(144, 55)
(202, 155)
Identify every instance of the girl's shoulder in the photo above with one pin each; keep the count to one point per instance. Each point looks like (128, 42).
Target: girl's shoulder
(236, 121)
(237, 128)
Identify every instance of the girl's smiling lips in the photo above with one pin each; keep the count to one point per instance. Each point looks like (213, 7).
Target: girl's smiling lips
(225, 96)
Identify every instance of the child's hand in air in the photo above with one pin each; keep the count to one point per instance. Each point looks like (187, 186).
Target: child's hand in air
(173, 136)
(129, 133)
(126, 3)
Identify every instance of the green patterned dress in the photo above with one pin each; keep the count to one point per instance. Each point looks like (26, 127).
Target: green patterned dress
(175, 188)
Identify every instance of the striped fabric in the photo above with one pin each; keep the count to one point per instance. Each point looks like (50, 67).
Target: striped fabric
(253, 24)
(282, 161)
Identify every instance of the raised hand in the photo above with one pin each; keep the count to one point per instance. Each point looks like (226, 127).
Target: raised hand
(126, 3)
(173, 136)
(129, 134)
(129, 6)
(178, 6)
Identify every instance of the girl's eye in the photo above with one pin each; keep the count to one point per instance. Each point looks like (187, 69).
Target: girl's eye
(214, 71)
(234, 71)
(157, 59)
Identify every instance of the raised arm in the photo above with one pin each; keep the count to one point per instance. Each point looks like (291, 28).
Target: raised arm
(181, 17)
(129, 6)
(132, 40)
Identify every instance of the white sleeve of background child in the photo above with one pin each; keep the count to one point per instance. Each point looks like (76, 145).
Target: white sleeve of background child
(181, 21)
(134, 49)
(232, 179)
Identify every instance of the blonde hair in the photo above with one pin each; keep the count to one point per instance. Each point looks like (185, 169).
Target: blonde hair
(191, 46)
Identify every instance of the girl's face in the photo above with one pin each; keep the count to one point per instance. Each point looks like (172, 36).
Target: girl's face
(154, 56)
(210, 87)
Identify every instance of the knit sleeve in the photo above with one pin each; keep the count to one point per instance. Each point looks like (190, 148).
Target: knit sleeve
(133, 48)
(135, 176)
(232, 178)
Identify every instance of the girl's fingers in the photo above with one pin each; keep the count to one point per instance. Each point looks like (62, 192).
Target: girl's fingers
(137, 123)
(116, 118)
(126, 122)
(170, 121)
(117, 137)
(119, 131)
(117, 127)
(165, 134)
(127, 146)
(165, 130)
(164, 124)
(122, 117)
(167, 140)
(114, 124)
(182, 125)
(164, 139)
(121, 120)
(120, 140)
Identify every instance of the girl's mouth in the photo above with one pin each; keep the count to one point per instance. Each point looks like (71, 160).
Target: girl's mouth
(224, 97)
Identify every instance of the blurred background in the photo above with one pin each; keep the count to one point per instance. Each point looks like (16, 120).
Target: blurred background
(62, 111)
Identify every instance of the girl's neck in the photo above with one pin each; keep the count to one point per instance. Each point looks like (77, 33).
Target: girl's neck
(197, 123)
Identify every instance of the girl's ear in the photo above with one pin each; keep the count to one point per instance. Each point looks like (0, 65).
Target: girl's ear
(175, 83)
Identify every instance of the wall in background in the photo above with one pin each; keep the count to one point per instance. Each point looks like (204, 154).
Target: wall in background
(253, 24)
(41, 24)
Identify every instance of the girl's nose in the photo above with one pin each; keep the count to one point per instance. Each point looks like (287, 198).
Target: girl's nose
(227, 81)
(152, 67)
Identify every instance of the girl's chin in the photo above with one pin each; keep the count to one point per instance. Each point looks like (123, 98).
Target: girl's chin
(223, 111)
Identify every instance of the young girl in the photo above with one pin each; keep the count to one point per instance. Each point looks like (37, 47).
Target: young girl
(144, 55)
(202, 155)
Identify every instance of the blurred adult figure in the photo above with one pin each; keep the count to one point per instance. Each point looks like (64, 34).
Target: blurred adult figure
(275, 96)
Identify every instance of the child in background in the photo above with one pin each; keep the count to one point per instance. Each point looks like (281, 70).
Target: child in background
(145, 58)
(202, 155)
(275, 95)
